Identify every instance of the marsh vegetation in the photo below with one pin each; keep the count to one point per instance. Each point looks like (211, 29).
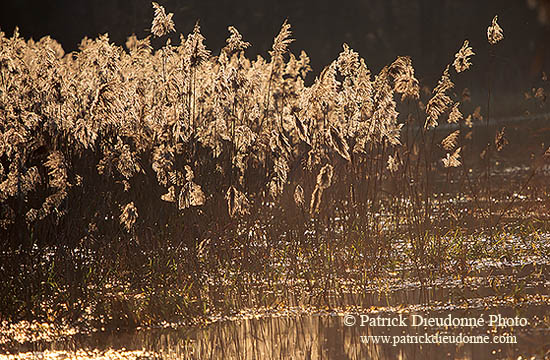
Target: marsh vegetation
(142, 185)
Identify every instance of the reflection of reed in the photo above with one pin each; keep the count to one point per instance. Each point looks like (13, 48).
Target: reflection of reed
(312, 337)
(325, 337)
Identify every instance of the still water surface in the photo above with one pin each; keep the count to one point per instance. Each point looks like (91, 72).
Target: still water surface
(325, 336)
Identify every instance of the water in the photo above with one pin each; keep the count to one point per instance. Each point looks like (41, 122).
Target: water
(323, 336)
(514, 291)
(446, 319)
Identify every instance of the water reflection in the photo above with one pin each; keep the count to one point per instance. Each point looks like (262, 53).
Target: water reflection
(326, 337)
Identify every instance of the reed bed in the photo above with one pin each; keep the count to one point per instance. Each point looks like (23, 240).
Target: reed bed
(139, 184)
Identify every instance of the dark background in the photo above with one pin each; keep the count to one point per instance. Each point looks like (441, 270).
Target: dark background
(430, 31)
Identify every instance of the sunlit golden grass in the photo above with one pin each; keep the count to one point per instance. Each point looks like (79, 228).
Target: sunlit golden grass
(151, 183)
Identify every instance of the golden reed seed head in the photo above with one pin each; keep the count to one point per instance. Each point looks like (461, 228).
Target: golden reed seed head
(324, 178)
(452, 160)
(462, 57)
(455, 115)
(281, 41)
(128, 216)
(450, 141)
(393, 163)
(440, 101)
(299, 196)
(235, 41)
(494, 32)
(162, 22)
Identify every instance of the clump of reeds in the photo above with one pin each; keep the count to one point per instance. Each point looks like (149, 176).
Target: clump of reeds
(221, 159)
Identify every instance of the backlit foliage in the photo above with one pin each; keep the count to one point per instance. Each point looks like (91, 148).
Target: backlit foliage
(199, 129)
(135, 150)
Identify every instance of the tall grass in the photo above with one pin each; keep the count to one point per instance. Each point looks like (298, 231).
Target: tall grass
(143, 184)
